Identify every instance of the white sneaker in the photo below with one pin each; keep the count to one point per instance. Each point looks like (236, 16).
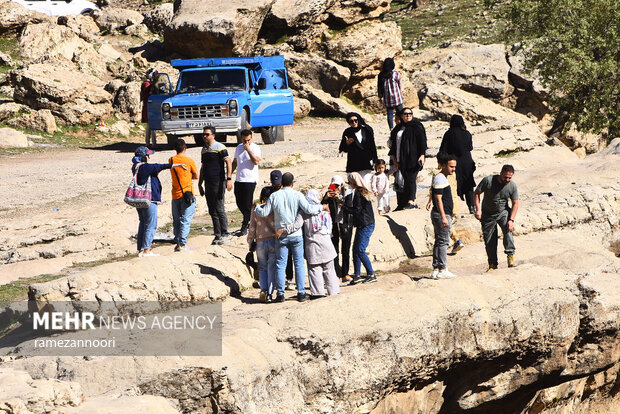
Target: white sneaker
(435, 273)
(445, 274)
(150, 254)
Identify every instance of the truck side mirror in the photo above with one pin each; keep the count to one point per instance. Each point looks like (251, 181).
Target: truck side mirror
(262, 83)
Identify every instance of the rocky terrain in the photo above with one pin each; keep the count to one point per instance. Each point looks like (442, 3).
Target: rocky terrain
(539, 338)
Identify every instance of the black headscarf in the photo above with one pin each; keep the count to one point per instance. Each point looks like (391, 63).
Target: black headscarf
(360, 120)
(386, 72)
(457, 121)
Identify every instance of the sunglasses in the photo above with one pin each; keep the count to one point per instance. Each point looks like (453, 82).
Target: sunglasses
(352, 121)
(407, 113)
(207, 135)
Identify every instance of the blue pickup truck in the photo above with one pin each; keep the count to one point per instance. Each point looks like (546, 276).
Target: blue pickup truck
(230, 94)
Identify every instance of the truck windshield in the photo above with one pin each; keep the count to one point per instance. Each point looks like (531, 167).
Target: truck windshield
(212, 80)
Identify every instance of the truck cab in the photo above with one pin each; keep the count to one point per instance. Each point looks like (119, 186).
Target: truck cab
(230, 94)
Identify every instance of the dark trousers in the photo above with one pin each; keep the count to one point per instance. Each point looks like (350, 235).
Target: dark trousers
(469, 199)
(244, 196)
(214, 192)
(409, 188)
(491, 235)
(345, 249)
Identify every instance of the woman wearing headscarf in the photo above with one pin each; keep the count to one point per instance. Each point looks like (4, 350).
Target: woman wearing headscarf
(148, 216)
(408, 152)
(458, 141)
(318, 248)
(358, 141)
(146, 89)
(388, 88)
(360, 208)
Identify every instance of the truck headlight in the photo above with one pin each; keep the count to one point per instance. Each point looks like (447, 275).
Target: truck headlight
(165, 109)
(232, 107)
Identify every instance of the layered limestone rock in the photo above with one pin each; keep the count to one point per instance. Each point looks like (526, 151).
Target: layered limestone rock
(489, 342)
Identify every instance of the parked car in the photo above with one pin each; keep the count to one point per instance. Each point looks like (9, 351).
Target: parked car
(230, 94)
(59, 7)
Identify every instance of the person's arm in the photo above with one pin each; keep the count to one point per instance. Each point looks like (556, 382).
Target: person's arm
(265, 209)
(513, 214)
(444, 143)
(478, 214)
(292, 227)
(345, 142)
(311, 209)
(422, 144)
(234, 165)
(193, 170)
(439, 205)
(229, 172)
(254, 157)
(370, 135)
(200, 180)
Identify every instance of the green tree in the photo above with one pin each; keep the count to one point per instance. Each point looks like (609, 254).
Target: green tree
(575, 47)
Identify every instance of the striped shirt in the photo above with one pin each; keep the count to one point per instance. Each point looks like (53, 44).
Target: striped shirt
(212, 158)
(391, 90)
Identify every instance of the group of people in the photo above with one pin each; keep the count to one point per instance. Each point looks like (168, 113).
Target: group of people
(287, 228)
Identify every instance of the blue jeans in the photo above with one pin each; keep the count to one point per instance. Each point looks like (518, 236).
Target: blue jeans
(296, 244)
(147, 226)
(360, 243)
(390, 114)
(182, 216)
(266, 254)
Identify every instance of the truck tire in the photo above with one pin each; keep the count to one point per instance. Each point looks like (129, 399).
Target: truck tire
(244, 124)
(198, 140)
(272, 134)
(171, 140)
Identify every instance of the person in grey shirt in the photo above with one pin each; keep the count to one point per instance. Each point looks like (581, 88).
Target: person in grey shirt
(498, 190)
(285, 204)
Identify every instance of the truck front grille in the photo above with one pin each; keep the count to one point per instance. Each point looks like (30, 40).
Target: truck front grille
(200, 112)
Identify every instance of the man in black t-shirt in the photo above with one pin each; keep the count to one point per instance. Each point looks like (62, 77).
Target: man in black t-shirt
(217, 180)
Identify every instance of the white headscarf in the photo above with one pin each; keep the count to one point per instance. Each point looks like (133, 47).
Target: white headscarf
(322, 222)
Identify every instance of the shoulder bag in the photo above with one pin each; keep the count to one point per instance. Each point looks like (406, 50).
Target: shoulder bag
(139, 196)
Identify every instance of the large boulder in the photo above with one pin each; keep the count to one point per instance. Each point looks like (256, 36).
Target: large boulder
(444, 101)
(317, 72)
(10, 138)
(290, 16)
(323, 104)
(42, 120)
(14, 16)
(364, 46)
(364, 93)
(158, 18)
(11, 109)
(127, 101)
(82, 25)
(346, 12)
(48, 42)
(73, 97)
(113, 19)
(212, 29)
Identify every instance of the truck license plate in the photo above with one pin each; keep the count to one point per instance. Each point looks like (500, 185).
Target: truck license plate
(198, 124)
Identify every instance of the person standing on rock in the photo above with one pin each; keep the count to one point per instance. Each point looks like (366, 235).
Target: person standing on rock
(358, 141)
(318, 248)
(458, 141)
(497, 190)
(361, 210)
(285, 204)
(183, 205)
(148, 216)
(441, 215)
(247, 157)
(145, 91)
(342, 227)
(388, 89)
(408, 151)
(216, 180)
(261, 231)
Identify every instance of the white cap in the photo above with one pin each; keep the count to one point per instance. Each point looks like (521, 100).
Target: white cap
(336, 179)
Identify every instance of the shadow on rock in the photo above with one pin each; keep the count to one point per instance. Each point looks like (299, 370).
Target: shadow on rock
(400, 232)
(228, 281)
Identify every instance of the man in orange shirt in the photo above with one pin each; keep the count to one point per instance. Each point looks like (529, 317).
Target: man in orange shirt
(183, 200)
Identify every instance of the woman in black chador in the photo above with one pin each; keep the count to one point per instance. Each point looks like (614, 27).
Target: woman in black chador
(458, 141)
(358, 141)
